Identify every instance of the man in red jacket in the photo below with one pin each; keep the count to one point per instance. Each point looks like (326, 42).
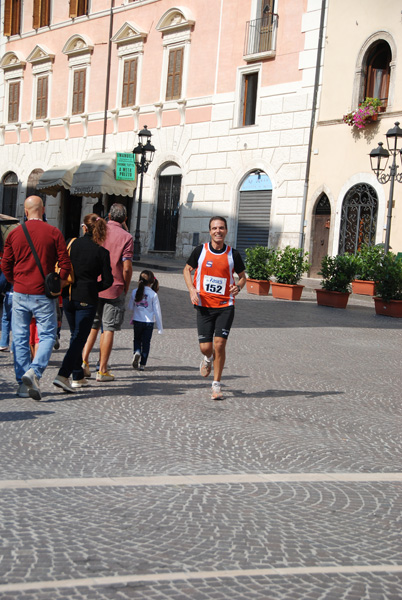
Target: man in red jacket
(29, 300)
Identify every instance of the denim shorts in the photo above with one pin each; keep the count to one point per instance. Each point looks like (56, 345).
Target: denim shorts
(110, 313)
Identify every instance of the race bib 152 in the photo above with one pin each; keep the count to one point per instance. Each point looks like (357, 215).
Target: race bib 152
(215, 285)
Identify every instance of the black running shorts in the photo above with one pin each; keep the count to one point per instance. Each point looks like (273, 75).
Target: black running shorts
(212, 321)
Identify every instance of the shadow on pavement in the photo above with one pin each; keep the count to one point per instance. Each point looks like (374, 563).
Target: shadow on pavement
(24, 416)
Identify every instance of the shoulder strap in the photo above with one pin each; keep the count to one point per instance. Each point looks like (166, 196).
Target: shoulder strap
(30, 242)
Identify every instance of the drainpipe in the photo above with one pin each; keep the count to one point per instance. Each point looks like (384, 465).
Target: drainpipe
(312, 123)
(109, 60)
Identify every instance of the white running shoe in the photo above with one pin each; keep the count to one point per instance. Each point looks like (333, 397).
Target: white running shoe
(136, 359)
(79, 383)
(205, 367)
(216, 392)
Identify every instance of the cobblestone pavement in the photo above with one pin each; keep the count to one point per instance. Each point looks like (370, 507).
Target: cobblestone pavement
(289, 489)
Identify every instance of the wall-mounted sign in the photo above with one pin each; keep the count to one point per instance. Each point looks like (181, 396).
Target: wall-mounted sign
(125, 166)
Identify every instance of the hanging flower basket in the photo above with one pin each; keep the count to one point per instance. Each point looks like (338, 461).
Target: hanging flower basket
(365, 114)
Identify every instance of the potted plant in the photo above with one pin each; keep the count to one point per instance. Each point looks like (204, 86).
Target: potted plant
(337, 274)
(289, 265)
(366, 113)
(258, 265)
(388, 286)
(368, 259)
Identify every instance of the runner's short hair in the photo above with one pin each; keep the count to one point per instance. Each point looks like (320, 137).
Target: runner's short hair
(218, 219)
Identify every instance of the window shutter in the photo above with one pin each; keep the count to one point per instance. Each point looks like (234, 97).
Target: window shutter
(45, 13)
(41, 97)
(129, 83)
(16, 17)
(7, 17)
(175, 70)
(73, 8)
(36, 14)
(79, 92)
(13, 101)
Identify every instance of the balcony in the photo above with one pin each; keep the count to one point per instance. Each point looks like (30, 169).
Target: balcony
(260, 40)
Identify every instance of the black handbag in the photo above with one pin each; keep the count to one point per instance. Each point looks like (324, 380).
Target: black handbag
(52, 280)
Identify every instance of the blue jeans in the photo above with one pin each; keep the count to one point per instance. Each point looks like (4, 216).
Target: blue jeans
(142, 339)
(6, 319)
(80, 317)
(26, 306)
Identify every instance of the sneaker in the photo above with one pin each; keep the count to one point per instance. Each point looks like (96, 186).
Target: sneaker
(104, 376)
(32, 383)
(4, 349)
(216, 392)
(136, 359)
(56, 345)
(142, 368)
(22, 391)
(63, 383)
(205, 367)
(79, 383)
(85, 368)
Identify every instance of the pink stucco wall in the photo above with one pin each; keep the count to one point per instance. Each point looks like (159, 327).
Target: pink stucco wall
(206, 59)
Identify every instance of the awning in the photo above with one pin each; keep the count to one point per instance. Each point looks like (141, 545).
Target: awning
(56, 179)
(97, 175)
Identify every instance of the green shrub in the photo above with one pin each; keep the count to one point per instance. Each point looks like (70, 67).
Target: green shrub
(259, 262)
(337, 272)
(368, 259)
(289, 265)
(388, 278)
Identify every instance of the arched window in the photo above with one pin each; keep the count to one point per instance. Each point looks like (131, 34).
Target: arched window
(10, 190)
(359, 218)
(377, 72)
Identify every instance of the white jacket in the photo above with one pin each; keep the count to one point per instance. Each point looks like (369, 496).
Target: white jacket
(148, 310)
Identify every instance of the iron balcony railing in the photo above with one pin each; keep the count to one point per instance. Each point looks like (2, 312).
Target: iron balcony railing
(261, 34)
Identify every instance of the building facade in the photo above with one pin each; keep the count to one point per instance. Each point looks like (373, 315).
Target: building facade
(346, 205)
(225, 87)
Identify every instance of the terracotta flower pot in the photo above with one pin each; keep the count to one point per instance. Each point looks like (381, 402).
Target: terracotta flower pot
(286, 291)
(366, 288)
(392, 308)
(260, 287)
(333, 299)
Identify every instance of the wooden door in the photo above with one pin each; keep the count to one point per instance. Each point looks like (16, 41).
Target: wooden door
(320, 242)
(167, 217)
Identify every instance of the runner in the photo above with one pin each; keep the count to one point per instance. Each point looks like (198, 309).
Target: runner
(212, 291)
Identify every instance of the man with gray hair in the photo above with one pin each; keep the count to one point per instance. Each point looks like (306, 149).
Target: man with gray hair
(111, 305)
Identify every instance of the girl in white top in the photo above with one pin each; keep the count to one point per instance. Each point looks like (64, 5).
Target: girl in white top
(144, 303)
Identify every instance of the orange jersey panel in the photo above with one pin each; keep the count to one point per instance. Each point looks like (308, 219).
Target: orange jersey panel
(213, 277)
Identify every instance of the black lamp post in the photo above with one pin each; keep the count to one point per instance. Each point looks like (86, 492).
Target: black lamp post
(379, 159)
(144, 154)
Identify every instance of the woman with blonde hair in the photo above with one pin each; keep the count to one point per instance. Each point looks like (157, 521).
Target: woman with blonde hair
(90, 261)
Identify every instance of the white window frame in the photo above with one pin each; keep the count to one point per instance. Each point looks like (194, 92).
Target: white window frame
(175, 26)
(42, 66)
(13, 67)
(238, 110)
(79, 50)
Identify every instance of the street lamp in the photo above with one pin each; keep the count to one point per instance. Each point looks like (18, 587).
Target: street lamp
(379, 159)
(144, 154)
